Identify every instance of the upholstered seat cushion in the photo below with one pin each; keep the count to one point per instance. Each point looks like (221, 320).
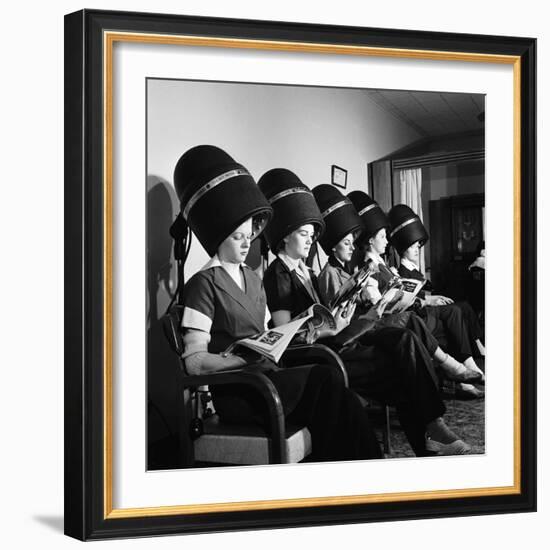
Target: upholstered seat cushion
(233, 444)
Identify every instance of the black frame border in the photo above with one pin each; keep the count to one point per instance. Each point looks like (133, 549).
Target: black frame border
(84, 230)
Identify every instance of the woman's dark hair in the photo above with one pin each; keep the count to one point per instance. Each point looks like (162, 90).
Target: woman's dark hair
(316, 233)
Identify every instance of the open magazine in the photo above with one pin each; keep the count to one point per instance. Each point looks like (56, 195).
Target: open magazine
(349, 292)
(273, 342)
(399, 296)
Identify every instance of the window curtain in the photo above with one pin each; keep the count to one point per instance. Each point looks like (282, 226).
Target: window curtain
(411, 195)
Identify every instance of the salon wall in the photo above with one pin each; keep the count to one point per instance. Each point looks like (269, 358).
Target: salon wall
(303, 129)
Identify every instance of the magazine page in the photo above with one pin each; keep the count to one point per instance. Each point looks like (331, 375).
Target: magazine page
(322, 318)
(273, 342)
(351, 289)
(400, 296)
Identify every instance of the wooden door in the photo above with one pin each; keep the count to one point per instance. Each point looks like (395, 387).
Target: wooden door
(456, 231)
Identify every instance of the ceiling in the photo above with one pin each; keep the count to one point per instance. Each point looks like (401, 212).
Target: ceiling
(433, 113)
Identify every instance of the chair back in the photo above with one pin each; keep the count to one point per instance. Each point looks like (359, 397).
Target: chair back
(207, 440)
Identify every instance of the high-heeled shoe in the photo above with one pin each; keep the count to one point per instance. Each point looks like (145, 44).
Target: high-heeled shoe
(458, 371)
(457, 447)
(471, 364)
(467, 391)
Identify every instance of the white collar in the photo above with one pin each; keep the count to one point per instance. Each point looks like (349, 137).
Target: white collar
(408, 264)
(376, 258)
(291, 263)
(214, 261)
(302, 271)
(235, 275)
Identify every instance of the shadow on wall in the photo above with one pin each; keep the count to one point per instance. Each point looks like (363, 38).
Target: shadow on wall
(162, 363)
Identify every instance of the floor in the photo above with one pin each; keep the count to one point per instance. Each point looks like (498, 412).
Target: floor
(465, 417)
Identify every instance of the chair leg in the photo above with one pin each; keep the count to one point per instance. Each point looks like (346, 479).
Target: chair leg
(387, 431)
(185, 410)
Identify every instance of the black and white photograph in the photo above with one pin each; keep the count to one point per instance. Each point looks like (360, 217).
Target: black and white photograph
(373, 275)
(271, 275)
(304, 290)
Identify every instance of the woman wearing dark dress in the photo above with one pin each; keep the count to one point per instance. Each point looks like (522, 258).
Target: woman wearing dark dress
(403, 377)
(338, 241)
(447, 326)
(408, 268)
(457, 323)
(225, 301)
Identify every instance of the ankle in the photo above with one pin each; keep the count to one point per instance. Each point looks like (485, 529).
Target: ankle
(458, 371)
(451, 364)
(439, 431)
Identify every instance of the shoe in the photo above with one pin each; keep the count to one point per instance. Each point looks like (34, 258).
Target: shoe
(459, 372)
(471, 364)
(467, 391)
(481, 377)
(437, 430)
(457, 447)
(481, 381)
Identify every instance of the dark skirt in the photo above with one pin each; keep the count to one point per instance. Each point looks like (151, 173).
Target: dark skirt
(315, 397)
(447, 324)
(392, 365)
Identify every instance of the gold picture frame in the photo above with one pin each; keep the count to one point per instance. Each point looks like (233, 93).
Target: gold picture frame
(90, 73)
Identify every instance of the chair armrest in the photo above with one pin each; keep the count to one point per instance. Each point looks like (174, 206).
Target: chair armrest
(296, 355)
(265, 387)
(245, 375)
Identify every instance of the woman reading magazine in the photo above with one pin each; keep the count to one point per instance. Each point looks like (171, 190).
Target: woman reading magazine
(407, 241)
(402, 377)
(446, 321)
(225, 301)
(373, 243)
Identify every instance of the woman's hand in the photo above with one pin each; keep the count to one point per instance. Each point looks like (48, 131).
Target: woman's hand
(230, 360)
(344, 315)
(440, 301)
(373, 314)
(371, 294)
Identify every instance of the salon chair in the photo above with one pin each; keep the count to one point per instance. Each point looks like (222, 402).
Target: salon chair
(205, 440)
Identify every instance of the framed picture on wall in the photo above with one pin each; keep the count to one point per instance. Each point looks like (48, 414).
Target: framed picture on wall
(168, 146)
(339, 176)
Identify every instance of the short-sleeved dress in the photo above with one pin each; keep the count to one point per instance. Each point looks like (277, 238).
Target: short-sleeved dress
(334, 275)
(446, 323)
(312, 396)
(459, 328)
(395, 369)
